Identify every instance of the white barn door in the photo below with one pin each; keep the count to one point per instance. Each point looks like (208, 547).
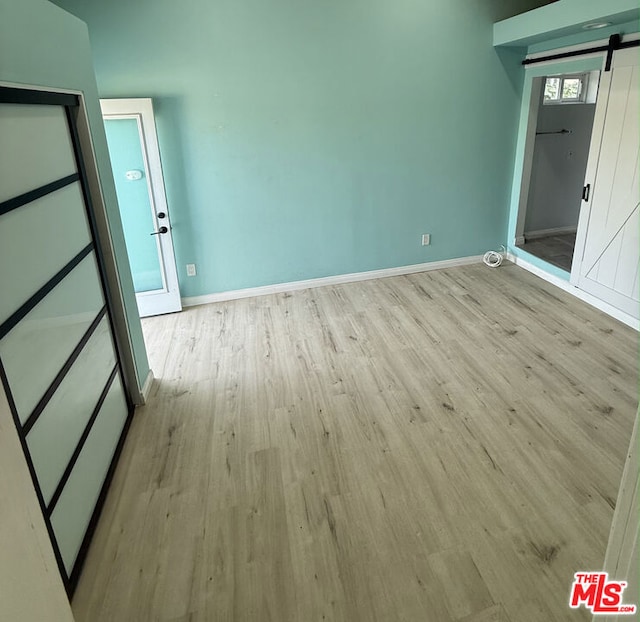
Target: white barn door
(608, 239)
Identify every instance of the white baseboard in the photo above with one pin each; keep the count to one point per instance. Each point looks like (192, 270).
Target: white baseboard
(544, 233)
(146, 387)
(279, 288)
(605, 307)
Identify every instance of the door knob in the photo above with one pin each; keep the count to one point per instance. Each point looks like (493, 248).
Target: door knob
(161, 215)
(159, 231)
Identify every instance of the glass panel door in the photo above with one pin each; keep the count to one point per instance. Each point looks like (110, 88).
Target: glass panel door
(136, 212)
(58, 360)
(137, 171)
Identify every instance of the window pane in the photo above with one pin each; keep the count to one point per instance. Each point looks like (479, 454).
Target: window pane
(56, 433)
(36, 148)
(571, 88)
(71, 516)
(35, 350)
(552, 89)
(125, 150)
(36, 241)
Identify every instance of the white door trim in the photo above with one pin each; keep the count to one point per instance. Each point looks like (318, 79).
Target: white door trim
(166, 300)
(527, 165)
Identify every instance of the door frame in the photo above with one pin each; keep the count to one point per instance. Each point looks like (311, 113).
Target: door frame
(517, 254)
(166, 300)
(527, 165)
(529, 118)
(525, 146)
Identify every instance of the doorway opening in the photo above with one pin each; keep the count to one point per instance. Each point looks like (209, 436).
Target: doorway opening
(137, 171)
(561, 122)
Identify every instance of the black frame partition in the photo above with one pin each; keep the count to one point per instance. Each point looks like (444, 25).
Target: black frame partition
(70, 102)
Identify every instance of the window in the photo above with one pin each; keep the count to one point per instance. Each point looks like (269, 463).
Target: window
(565, 89)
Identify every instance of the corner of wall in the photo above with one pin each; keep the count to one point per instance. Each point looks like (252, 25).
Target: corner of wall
(41, 45)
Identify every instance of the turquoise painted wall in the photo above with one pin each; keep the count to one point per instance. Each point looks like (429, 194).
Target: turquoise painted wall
(42, 45)
(306, 139)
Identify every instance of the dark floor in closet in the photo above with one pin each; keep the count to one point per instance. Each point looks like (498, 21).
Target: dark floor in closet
(556, 249)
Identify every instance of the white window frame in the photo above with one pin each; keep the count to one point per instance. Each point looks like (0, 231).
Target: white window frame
(584, 81)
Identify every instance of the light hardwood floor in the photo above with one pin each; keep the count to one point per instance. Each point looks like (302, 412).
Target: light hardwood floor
(556, 249)
(435, 447)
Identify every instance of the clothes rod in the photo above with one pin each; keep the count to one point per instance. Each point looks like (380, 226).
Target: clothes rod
(563, 131)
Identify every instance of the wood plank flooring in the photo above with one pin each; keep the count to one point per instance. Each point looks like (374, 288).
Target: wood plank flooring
(556, 249)
(444, 446)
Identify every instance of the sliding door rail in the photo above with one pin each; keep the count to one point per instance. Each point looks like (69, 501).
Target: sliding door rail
(615, 43)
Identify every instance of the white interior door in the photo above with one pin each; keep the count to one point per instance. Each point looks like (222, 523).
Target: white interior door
(137, 171)
(607, 254)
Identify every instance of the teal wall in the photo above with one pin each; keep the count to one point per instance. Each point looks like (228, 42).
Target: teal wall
(307, 139)
(42, 45)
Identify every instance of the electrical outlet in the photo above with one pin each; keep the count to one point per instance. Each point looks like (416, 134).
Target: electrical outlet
(426, 239)
(191, 269)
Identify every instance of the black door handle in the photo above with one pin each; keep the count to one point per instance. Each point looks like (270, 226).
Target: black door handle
(585, 192)
(159, 231)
